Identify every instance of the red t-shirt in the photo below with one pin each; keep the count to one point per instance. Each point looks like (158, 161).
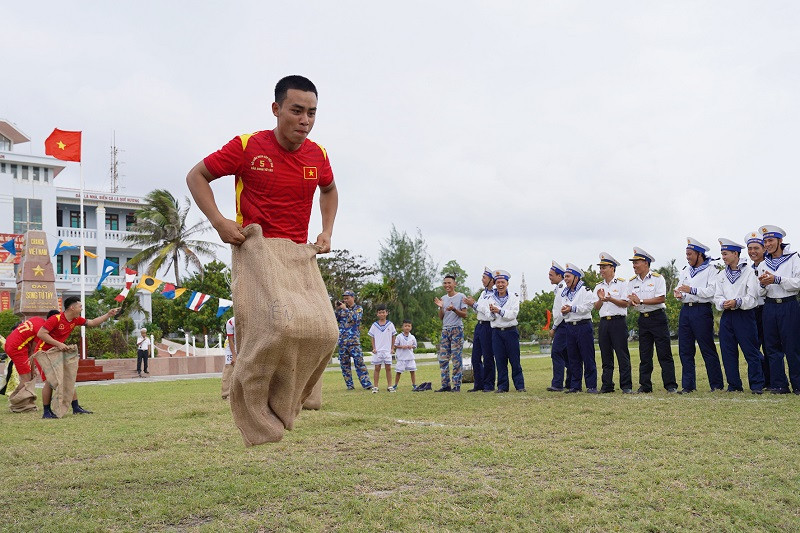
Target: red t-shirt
(24, 333)
(59, 328)
(274, 187)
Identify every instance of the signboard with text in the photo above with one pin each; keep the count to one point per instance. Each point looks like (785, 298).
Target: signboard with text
(19, 242)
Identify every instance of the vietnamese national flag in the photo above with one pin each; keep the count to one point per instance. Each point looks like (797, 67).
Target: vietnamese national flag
(64, 145)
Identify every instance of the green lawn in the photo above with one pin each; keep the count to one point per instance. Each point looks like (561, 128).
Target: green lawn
(166, 456)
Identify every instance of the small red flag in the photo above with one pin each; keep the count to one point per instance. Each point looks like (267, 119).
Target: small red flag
(64, 145)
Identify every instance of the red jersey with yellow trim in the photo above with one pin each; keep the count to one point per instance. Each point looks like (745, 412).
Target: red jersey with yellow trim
(24, 334)
(59, 328)
(274, 187)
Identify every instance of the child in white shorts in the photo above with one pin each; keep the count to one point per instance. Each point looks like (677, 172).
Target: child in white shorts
(382, 333)
(404, 344)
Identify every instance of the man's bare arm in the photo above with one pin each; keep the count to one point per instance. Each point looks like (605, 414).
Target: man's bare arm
(45, 336)
(102, 318)
(198, 181)
(328, 204)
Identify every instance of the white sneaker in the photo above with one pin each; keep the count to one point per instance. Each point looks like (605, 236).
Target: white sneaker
(392, 389)
(375, 390)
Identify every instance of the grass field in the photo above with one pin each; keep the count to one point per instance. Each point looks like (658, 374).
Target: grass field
(166, 456)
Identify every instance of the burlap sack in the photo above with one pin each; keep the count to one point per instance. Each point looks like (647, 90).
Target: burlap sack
(285, 331)
(60, 369)
(314, 401)
(23, 399)
(227, 371)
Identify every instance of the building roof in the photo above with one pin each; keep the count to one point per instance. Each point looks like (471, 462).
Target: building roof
(10, 131)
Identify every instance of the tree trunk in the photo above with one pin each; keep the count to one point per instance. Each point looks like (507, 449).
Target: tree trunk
(175, 262)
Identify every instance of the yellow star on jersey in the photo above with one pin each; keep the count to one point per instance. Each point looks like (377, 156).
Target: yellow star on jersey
(61, 145)
(38, 271)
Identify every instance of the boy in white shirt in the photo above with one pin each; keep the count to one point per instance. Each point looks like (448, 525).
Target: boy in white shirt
(405, 344)
(382, 334)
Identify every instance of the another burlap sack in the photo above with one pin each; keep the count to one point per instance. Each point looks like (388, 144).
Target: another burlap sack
(60, 369)
(314, 401)
(285, 333)
(23, 399)
(227, 371)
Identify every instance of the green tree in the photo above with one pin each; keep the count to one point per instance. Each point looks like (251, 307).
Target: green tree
(671, 277)
(533, 314)
(404, 261)
(452, 267)
(344, 271)
(163, 233)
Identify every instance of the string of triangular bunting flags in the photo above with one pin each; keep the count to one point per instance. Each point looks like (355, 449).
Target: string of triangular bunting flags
(196, 301)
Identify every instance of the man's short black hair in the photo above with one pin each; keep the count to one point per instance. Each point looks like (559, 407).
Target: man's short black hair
(52, 312)
(381, 307)
(71, 300)
(451, 276)
(406, 321)
(293, 82)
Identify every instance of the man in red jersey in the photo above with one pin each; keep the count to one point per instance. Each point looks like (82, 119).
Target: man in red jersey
(18, 347)
(277, 173)
(53, 333)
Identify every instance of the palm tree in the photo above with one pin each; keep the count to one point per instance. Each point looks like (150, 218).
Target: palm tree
(162, 231)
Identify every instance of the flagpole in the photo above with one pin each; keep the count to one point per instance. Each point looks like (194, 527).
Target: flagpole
(82, 269)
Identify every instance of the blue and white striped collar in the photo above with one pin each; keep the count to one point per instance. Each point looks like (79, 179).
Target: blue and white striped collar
(570, 294)
(501, 299)
(383, 327)
(733, 275)
(694, 271)
(774, 264)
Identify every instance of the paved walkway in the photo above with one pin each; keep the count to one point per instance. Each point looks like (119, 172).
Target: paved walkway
(330, 368)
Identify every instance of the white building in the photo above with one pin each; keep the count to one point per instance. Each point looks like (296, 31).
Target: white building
(30, 199)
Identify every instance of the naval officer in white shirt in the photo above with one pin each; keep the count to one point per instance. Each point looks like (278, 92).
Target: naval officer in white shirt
(612, 336)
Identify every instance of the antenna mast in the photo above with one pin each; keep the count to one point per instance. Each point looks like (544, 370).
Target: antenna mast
(114, 170)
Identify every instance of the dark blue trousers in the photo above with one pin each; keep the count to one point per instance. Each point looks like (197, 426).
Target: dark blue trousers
(782, 337)
(759, 311)
(696, 324)
(558, 353)
(482, 358)
(580, 351)
(737, 328)
(505, 345)
(654, 331)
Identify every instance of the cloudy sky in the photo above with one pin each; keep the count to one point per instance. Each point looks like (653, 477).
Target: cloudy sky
(510, 133)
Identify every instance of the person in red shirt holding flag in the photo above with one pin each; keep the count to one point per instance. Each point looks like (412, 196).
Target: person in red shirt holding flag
(54, 332)
(18, 347)
(277, 173)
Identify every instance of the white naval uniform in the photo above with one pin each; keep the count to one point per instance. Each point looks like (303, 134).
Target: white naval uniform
(617, 289)
(652, 286)
(509, 310)
(558, 318)
(581, 300)
(786, 272)
(744, 289)
(486, 297)
(702, 280)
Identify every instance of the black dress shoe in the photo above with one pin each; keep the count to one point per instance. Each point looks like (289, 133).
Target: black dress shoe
(81, 411)
(606, 391)
(474, 390)
(642, 390)
(759, 391)
(627, 391)
(488, 390)
(571, 391)
(672, 390)
(443, 389)
(500, 391)
(522, 390)
(686, 391)
(735, 390)
(780, 391)
(715, 389)
(592, 391)
(49, 414)
(554, 389)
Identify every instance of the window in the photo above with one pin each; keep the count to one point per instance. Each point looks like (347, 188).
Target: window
(75, 219)
(5, 143)
(14, 171)
(2, 168)
(112, 222)
(59, 218)
(74, 264)
(114, 272)
(35, 173)
(27, 214)
(130, 220)
(25, 175)
(45, 174)
(59, 264)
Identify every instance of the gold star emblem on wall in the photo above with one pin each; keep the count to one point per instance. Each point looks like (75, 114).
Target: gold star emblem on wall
(38, 271)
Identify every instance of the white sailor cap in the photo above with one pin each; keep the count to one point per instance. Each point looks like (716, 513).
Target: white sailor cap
(773, 231)
(501, 274)
(754, 237)
(558, 269)
(607, 259)
(729, 245)
(574, 270)
(639, 254)
(697, 246)
(488, 272)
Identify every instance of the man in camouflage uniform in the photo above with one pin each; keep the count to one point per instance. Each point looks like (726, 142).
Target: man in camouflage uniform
(349, 314)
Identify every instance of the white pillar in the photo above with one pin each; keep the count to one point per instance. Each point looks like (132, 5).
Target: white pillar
(187, 344)
(206, 342)
(152, 347)
(194, 346)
